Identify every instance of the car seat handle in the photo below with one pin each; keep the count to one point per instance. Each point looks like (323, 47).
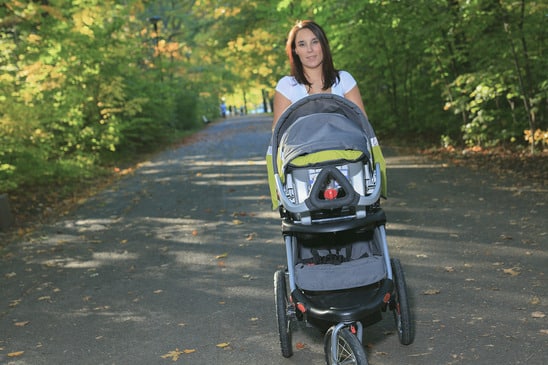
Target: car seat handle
(313, 202)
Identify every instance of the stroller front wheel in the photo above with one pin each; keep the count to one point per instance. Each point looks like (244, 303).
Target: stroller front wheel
(349, 349)
(284, 321)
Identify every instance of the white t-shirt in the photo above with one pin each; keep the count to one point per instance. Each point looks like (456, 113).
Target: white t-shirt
(291, 89)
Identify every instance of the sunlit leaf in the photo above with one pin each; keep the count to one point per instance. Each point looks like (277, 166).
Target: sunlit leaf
(222, 345)
(173, 355)
(14, 303)
(221, 256)
(16, 353)
(512, 271)
(431, 292)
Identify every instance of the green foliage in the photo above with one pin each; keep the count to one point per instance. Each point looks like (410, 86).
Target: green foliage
(82, 82)
(85, 83)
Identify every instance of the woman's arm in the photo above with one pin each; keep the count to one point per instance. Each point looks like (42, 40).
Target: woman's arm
(355, 96)
(281, 103)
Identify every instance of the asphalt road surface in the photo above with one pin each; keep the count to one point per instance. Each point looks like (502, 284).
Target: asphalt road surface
(175, 262)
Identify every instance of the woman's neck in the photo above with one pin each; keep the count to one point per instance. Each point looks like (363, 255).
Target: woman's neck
(314, 77)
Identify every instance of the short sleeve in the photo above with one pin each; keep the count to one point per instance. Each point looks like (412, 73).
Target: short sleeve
(347, 82)
(284, 86)
(291, 89)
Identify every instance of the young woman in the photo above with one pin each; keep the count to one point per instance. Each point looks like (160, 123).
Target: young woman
(312, 70)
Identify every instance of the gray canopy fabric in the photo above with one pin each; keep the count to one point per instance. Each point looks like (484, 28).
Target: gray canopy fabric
(320, 122)
(320, 132)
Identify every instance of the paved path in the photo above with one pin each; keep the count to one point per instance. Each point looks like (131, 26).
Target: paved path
(180, 256)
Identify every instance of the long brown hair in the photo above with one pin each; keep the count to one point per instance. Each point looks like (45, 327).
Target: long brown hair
(330, 74)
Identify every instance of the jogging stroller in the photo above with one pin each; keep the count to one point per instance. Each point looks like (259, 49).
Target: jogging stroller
(327, 185)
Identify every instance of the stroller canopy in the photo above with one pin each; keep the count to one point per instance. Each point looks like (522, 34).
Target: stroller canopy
(320, 122)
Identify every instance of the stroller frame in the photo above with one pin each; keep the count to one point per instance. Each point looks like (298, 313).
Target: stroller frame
(344, 309)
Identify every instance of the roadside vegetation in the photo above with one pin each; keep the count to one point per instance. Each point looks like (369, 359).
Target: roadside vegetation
(91, 87)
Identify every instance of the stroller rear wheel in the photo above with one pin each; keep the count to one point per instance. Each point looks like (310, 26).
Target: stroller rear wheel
(349, 349)
(402, 313)
(284, 321)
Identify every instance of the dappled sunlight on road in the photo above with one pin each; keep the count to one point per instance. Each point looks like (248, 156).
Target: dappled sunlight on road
(98, 259)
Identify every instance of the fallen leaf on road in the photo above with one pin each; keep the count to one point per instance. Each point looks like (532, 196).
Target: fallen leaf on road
(10, 275)
(221, 256)
(512, 271)
(45, 297)
(422, 256)
(237, 222)
(431, 292)
(544, 332)
(16, 353)
(538, 315)
(300, 345)
(195, 233)
(223, 345)
(449, 268)
(14, 303)
(535, 300)
(251, 236)
(158, 291)
(21, 324)
(173, 355)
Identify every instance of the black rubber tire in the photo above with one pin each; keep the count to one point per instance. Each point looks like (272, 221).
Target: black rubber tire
(402, 312)
(284, 322)
(350, 350)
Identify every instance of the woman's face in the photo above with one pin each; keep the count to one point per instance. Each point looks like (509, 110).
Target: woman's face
(308, 48)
